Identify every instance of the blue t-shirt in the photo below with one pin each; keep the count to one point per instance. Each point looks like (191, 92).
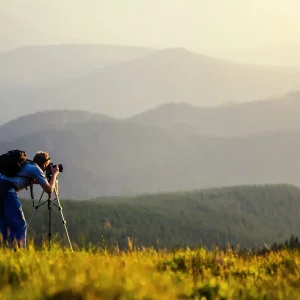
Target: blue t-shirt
(31, 170)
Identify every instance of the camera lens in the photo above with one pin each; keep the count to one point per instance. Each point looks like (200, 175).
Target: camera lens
(60, 167)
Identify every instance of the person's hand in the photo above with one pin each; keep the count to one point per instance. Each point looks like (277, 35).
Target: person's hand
(55, 170)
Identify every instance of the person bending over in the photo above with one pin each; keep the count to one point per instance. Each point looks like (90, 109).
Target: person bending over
(13, 225)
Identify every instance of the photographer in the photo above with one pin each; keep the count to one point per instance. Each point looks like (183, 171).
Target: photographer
(12, 221)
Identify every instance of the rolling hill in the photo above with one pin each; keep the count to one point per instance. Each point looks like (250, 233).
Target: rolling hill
(250, 216)
(138, 84)
(117, 157)
(236, 119)
(53, 119)
(37, 66)
(29, 76)
(173, 75)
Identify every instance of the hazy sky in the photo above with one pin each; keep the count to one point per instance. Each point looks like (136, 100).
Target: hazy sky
(200, 25)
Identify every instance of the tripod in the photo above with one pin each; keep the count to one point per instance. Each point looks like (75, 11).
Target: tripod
(56, 203)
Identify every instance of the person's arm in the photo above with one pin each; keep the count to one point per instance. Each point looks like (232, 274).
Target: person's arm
(48, 187)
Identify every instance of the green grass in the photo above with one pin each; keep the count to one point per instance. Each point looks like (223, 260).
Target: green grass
(145, 273)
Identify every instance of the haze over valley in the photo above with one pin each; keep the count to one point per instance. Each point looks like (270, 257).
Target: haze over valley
(189, 101)
(129, 120)
(171, 147)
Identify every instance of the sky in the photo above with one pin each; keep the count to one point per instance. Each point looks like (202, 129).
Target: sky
(218, 27)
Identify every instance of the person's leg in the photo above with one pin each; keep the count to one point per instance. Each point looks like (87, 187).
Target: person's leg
(18, 229)
(15, 220)
(4, 229)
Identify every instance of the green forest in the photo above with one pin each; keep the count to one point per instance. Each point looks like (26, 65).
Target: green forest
(248, 216)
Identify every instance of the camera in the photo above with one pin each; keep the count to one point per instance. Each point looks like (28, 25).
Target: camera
(60, 167)
(48, 170)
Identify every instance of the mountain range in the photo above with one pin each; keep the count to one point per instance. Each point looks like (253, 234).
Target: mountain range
(36, 66)
(123, 81)
(171, 147)
(255, 117)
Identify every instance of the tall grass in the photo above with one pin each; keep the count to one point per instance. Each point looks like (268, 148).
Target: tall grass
(100, 273)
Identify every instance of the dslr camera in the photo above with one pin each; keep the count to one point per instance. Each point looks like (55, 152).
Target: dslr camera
(48, 170)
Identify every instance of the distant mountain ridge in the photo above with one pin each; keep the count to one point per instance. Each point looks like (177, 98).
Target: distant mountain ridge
(138, 81)
(175, 75)
(104, 158)
(236, 119)
(45, 120)
(170, 147)
(53, 64)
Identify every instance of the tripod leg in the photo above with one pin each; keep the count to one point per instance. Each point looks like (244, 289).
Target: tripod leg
(50, 210)
(35, 209)
(49, 201)
(63, 219)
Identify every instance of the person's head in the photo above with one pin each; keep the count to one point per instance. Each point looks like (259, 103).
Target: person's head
(42, 159)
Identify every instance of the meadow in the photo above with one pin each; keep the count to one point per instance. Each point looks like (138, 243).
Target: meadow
(146, 273)
(164, 246)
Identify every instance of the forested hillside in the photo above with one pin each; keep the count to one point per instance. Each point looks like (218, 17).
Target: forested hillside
(246, 215)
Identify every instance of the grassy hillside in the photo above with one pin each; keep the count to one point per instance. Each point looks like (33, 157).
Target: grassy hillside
(148, 274)
(247, 215)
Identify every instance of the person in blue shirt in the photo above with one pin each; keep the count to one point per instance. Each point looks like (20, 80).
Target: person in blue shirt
(13, 225)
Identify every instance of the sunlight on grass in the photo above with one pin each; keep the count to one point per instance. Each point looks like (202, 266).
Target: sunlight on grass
(98, 273)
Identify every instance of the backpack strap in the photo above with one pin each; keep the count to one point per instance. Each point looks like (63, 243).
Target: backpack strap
(30, 179)
(30, 185)
(30, 182)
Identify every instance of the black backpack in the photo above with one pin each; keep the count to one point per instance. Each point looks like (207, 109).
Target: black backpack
(12, 162)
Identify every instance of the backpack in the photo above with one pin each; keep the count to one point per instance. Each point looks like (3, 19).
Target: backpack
(12, 162)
